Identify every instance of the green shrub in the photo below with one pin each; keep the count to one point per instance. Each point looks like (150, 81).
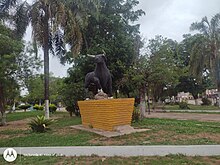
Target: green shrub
(183, 105)
(8, 107)
(40, 124)
(25, 106)
(73, 109)
(38, 107)
(136, 115)
(216, 104)
(52, 108)
(206, 101)
(41, 108)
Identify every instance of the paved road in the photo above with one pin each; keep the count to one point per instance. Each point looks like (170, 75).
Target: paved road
(189, 150)
(185, 116)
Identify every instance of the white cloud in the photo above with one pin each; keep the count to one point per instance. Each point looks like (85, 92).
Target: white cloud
(172, 18)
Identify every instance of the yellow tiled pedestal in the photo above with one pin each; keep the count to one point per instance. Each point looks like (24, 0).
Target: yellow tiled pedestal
(106, 114)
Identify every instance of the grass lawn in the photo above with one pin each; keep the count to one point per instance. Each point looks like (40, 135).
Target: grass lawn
(162, 131)
(192, 107)
(152, 160)
(23, 115)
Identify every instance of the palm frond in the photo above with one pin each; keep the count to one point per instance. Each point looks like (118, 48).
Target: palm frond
(215, 21)
(59, 46)
(201, 27)
(76, 20)
(66, 21)
(4, 15)
(35, 15)
(21, 19)
(6, 4)
(200, 57)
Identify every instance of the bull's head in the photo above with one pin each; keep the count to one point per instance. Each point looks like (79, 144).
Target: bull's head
(99, 58)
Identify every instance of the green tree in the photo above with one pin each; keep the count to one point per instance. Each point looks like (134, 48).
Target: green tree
(141, 82)
(9, 48)
(121, 42)
(56, 86)
(189, 51)
(73, 88)
(73, 85)
(114, 34)
(35, 86)
(50, 20)
(205, 54)
(14, 67)
(189, 84)
(155, 71)
(163, 66)
(185, 48)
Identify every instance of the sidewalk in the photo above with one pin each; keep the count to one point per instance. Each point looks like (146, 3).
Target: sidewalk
(188, 110)
(126, 151)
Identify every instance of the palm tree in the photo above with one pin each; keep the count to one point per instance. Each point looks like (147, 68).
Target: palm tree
(206, 52)
(54, 23)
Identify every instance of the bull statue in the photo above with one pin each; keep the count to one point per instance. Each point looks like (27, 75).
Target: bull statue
(101, 76)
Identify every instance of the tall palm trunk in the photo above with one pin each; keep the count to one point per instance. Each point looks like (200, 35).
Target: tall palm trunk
(46, 62)
(46, 80)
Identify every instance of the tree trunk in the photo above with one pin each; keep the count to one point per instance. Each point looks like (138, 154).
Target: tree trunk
(2, 106)
(218, 99)
(142, 102)
(217, 74)
(3, 118)
(46, 62)
(116, 94)
(196, 102)
(153, 104)
(218, 85)
(46, 82)
(148, 102)
(195, 96)
(14, 107)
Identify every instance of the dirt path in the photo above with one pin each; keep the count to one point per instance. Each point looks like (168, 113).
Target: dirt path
(19, 124)
(16, 125)
(186, 116)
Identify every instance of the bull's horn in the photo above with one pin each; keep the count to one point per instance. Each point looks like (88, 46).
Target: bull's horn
(89, 55)
(103, 52)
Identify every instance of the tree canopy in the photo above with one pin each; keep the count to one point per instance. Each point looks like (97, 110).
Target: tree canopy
(16, 65)
(113, 33)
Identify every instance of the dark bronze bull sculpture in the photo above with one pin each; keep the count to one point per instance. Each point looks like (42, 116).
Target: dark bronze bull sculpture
(101, 76)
